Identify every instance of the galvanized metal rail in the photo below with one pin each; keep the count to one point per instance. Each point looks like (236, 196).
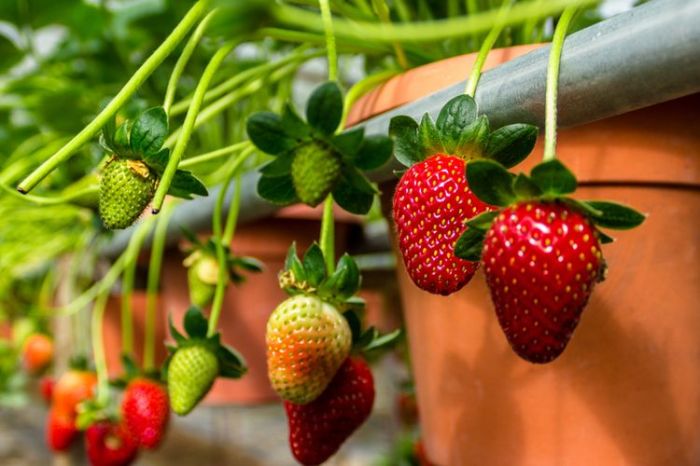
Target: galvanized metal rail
(642, 57)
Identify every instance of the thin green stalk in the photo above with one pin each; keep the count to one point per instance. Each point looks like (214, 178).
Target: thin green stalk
(184, 58)
(215, 154)
(148, 67)
(486, 47)
(425, 31)
(98, 349)
(55, 200)
(382, 10)
(362, 87)
(550, 127)
(327, 238)
(188, 125)
(233, 210)
(127, 310)
(327, 19)
(154, 270)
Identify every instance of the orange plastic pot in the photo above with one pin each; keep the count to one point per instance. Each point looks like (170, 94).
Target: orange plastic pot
(247, 306)
(627, 389)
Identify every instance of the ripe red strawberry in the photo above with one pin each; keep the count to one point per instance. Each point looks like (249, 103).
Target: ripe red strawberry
(110, 444)
(60, 430)
(46, 384)
(318, 429)
(541, 261)
(145, 410)
(431, 203)
(307, 341)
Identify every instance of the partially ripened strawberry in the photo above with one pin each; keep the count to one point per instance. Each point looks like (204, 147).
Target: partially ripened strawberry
(315, 169)
(541, 261)
(431, 203)
(145, 411)
(318, 429)
(191, 373)
(110, 444)
(60, 430)
(72, 388)
(126, 188)
(37, 353)
(307, 341)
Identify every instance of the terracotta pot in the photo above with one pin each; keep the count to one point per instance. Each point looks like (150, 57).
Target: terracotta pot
(627, 389)
(247, 307)
(113, 333)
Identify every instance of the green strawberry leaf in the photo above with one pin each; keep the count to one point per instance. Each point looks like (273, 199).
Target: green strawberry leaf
(293, 124)
(358, 180)
(429, 137)
(250, 264)
(131, 370)
(615, 216)
(177, 336)
(232, 365)
(279, 166)
(314, 265)
(490, 182)
(407, 148)
(603, 238)
(355, 325)
(350, 198)
(509, 145)
(483, 221)
(473, 140)
(581, 206)
(293, 264)
(195, 323)
(525, 188)
(553, 178)
(149, 131)
(158, 161)
(107, 134)
(185, 184)
(454, 118)
(121, 137)
(345, 280)
(348, 142)
(470, 244)
(382, 342)
(278, 189)
(324, 109)
(374, 152)
(266, 130)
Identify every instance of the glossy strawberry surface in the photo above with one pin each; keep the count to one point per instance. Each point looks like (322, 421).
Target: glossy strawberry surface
(431, 203)
(318, 429)
(541, 262)
(110, 444)
(145, 410)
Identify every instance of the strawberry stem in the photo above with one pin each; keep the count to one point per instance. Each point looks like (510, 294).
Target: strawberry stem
(98, 349)
(225, 238)
(382, 10)
(134, 83)
(154, 271)
(486, 47)
(327, 238)
(550, 132)
(362, 87)
(184, 58)
(327, 18)
(189, 124)
(215, 154)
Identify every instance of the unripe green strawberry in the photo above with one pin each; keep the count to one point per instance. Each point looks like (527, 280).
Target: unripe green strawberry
(315, 170)
(126, 188)
(307, 341)
(202, 276)
(191, 374)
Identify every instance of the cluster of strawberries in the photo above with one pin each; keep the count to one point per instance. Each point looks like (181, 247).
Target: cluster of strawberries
(457, 207)
(109, 441)
(313, 355)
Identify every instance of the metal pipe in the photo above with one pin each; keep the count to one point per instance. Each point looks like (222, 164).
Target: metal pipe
(647, 55)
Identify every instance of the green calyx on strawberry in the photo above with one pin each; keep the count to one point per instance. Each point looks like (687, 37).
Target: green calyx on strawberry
(311, 160)
(196, 361)
(433, 200)
(203, 268)
(540, 252)
(129, 179)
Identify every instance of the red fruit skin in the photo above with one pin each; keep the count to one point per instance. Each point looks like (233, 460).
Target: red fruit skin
(110, 444)
(541, 262)
(431, 203)
(46, 385)
(146, 411)
(37, 353)
(72, 388)
(60, 431)
(318, 429)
